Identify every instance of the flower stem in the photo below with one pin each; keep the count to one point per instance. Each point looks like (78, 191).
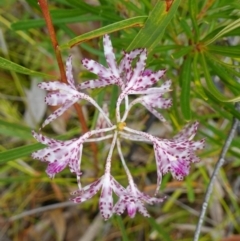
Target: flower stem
(214, 175)
(109, 157)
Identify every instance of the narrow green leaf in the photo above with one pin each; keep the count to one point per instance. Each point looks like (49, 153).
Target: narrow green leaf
(230, 51)
(235, 24)
(161, 230)
(9, 65)
(19, 152)
(186, 28)
(166, 47)
(185, 79)
(36, 23)
(122, 228)
(132, 22)
(212, 88)
(193, 15)
(234, 32)
(223, 74)
(190, 191)
(184, 50)
(199, 88)
(229, 107)
(107, 12)
(15, 130)
(157, 21)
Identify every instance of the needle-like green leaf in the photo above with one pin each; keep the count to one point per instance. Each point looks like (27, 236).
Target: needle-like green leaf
(132, 22)
(9, 65)
(185, 79)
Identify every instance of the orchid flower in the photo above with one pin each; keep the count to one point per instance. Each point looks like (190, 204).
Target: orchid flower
(108, 185)
(60, 154)
(133, 200)
(65, 95)
(172, 156)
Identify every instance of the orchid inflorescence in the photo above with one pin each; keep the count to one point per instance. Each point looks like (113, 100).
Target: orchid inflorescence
(174, 156)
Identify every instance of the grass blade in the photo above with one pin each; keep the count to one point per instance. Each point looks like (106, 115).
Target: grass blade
(132, 22)
(149, 36)
(9, 65)
(185, 79)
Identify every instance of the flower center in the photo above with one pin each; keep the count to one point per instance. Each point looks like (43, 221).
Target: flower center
(121, 125)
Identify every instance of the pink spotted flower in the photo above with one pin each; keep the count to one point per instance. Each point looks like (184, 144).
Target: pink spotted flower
(132, 200)
(175, 155)
(65, 95)
(131, 79)
(108, 185)
(60, 154)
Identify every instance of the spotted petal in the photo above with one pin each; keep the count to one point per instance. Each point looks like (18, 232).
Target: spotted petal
(188, 132)
(62, 94)
(133, 200)
(59, 154)
(69, 73)
(106, 200)
(175, 155)
(87, 192)
(110, 56)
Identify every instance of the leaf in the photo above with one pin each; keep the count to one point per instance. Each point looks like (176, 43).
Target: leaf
(234, 32)
(230, 51)
(158, 227)
(185, 79)
(190, 190)
(150, 35)
(185, 26)
(235, 24)
(223, 74)
(9, 65)
(122, 228)
(199, 88)
(19, 152)
(132, 22)
(229, 108)
(36, 23)
(184, 50)
(193, 15)
(15, 130)
(210, 84)
(103, 11)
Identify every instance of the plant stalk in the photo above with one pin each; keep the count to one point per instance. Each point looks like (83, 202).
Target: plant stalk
(214, 174)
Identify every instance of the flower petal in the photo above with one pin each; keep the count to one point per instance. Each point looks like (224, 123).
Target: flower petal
(98, 69)
(54, 85)
(146, 81)
(87, 192)
(179, 169)
(69, 72)
(55, 167)
(109, 55)
(155, 113)
(138, 70)
(91, 84)
(106, 200)
(59, 112)
(56, 98)
(187, 133)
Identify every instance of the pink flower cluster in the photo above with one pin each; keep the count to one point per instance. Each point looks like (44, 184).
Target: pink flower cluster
(172, 156)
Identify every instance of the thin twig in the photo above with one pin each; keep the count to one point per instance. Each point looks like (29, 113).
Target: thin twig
(214, 174)
(46, 14)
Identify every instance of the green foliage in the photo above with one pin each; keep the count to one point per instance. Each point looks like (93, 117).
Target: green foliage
(197, 42)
